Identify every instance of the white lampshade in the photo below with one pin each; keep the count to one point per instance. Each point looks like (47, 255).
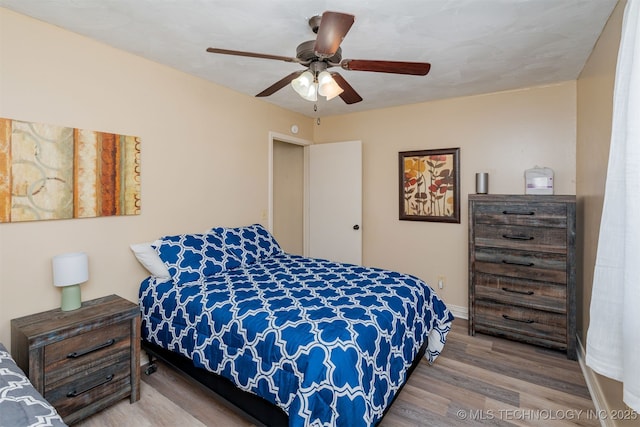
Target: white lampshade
(305, 86)
(70, 269)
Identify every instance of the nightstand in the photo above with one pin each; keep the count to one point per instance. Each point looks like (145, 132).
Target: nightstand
(83, 360)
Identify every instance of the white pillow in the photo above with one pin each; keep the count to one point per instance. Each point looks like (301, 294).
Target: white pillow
(150, 260)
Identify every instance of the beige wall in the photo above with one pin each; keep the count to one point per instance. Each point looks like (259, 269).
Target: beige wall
(595, 110)
(204, 156)
(500, 133)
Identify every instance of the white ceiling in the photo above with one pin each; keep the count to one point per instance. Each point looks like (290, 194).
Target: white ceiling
(474, 46)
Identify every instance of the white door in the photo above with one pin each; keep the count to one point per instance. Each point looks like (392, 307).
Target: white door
(335, 201)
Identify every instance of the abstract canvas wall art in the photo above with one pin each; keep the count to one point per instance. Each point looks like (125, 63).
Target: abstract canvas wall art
(57, 172)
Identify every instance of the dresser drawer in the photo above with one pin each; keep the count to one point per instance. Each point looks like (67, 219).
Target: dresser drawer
(520, 237)
(85, 352)
(79, 391)
(519, 321)
(526, 214)
(521, 292)
(538, 266)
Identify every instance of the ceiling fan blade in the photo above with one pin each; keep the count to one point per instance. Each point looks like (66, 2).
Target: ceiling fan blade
(280, 84)
(252, 54)
(394, 67)
(349, 96)
(333, 27)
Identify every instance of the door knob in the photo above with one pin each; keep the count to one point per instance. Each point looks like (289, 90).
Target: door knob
(356, 227)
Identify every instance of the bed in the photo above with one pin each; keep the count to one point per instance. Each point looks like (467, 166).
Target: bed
(20, 403)
(319, 342)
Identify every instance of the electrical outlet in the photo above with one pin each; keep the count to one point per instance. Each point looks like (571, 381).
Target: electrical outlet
(441, 281)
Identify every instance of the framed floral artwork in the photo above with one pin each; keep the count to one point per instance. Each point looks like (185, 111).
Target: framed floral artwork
(430, 185)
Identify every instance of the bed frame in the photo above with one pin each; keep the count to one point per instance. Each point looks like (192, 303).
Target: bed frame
(258, 410)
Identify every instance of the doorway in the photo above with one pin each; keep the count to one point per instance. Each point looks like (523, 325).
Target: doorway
(288, 196)
(288, 192)
(331, 177)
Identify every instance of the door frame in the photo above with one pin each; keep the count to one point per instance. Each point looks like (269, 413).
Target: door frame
(275, 136)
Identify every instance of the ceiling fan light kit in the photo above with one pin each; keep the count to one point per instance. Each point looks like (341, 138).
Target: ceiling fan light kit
(322, 53)
(314, 82)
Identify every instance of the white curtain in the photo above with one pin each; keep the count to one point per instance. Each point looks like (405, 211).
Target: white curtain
(613, 338)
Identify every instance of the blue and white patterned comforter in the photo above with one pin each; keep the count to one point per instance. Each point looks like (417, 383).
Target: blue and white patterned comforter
(329, 343)
(20, 403)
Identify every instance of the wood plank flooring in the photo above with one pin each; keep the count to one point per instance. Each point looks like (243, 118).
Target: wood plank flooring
(478, 380)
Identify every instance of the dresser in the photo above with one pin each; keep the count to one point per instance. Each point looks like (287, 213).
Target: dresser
(522, 269)
(83, 360)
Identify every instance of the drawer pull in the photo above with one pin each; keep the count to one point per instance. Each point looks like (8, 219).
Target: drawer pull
(517, 237)
(507, 317)
(515, 291)
(75, 393)
(517, 213)
(81, 353)
(524, 264)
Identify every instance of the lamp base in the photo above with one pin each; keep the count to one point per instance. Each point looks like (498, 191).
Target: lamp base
(70, 298)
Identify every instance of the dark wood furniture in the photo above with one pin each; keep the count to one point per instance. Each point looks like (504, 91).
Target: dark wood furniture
(522, 269)
(83, 360)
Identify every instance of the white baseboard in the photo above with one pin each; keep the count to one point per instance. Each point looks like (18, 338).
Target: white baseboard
(458, 311)
(594, 386)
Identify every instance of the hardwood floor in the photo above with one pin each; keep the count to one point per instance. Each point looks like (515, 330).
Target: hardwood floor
(478, 380)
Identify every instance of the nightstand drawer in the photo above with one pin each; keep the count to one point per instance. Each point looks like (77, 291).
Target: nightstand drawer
(518, 237)
(79, 391)
(521, 321)
(81, 352)
(522, 292)
(526, 214)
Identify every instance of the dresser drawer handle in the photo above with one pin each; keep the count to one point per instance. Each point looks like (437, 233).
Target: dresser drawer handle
(517, 237)
(507, 317)
(75, 393)
(515, 291)
(517, 213)
(524, 264)
(81, 353)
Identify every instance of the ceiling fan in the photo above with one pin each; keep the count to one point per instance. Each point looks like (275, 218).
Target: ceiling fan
(323, 53)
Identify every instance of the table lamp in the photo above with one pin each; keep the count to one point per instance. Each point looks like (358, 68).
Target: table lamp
(69, 270)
